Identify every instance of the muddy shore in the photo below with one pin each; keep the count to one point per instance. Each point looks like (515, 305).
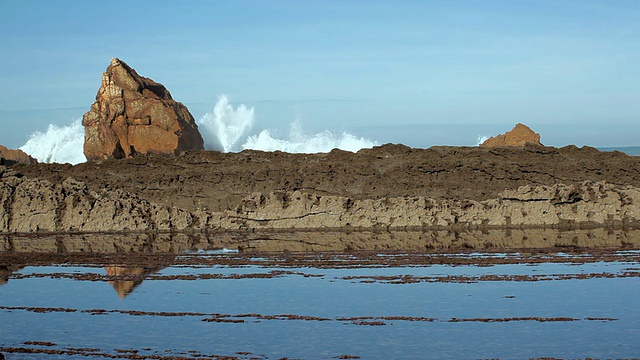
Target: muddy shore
(220, 181)
(387, 187)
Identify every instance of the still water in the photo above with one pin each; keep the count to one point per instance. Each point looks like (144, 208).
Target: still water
(227, 303)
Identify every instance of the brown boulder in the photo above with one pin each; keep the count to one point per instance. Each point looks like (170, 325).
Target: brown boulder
(518, 136)
(9, 157)
(134, 114)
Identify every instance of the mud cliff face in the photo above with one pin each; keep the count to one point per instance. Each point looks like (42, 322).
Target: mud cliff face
(390, 186)
(520, 135)
(34, 205)
(133, 114)
(561, 206)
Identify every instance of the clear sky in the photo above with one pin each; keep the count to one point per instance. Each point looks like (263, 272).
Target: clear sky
(416, 72)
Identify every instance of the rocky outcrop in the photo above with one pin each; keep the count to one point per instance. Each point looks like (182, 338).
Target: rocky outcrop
(134, 114)
(220, 181)
(36, 205)
(10, 157)
(520, 135)
(561, 206)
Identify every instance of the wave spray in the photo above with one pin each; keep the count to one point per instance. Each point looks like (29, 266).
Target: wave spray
(226, 126)
(299, 142)
(223, 128)
(481, 139)
(59, 144)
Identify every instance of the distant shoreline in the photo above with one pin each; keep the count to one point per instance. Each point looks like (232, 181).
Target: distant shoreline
(629, 150)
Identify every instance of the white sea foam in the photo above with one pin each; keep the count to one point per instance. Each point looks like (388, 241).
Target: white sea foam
(59, 144)
(481, 139)
(225, 126)
(299, 142)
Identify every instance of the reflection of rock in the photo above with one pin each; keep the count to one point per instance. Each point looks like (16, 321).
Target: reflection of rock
(305, 241)
(6, 271)
(435, 240)
(133, 114)
(131, 278)
(520, 135)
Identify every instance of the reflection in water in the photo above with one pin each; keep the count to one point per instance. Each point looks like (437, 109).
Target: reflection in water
(130, 278)
(126, 279)
(5, 273)
(399, 305)
(412, 240)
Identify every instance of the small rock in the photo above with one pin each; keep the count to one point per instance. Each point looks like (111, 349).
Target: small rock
(520, 135)
(9, 157)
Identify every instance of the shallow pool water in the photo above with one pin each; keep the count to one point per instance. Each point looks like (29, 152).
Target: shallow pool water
(378, 305)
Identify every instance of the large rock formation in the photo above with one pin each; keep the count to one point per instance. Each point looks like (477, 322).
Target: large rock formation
(518, 136)
(133, 114)
(10, 156)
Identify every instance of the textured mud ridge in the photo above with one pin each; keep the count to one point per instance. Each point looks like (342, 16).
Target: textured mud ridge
(399, 279)
(242, 318)
(43, 348)
(219, 181)
(391, 186)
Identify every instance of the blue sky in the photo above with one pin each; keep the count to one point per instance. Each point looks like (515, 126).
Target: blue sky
(421, 73)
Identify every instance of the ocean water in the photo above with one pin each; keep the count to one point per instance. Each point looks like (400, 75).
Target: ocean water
(209, 303)
(630, 150)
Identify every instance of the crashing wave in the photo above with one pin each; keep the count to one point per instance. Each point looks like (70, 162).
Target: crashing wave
(226, 126)
(223, 128)
(298, 142)
(59, 144)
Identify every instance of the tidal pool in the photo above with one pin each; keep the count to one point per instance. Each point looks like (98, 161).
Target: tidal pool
(321, 305)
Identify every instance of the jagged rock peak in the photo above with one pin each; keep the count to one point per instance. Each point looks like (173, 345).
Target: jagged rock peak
(520, 135)
(134, 114)
(127, 78)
